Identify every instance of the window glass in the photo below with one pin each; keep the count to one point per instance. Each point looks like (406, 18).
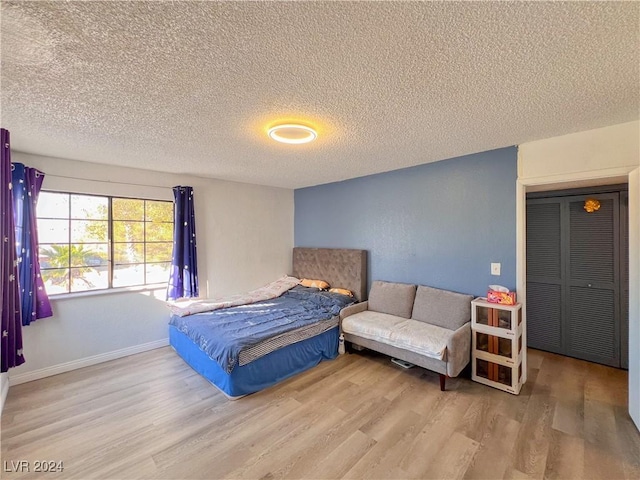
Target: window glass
(159, 212)
(91, 242)
(128, 275)
(125, 253)
(56, 280)
(158, 272)
(158, 252)
(89, 278)
(89, 231)
(89, 207)
(89, 254)
(52, 205)
(53, 231)
(159, 232)
(128, 209)
(124, 231)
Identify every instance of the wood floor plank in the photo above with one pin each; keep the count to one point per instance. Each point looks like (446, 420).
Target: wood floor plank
(345, 455)
(232, 430)
(440, 427)
(150, 416)
(478, 419)
(381, 461)
(532, 444)
(628, 441)
(453, 459)
(285, 450)
(569, 394)
(599, 423)
(600, 463)
(515, 474)
(566, 457)
(380, 426)
(493, 457)
(305, 464)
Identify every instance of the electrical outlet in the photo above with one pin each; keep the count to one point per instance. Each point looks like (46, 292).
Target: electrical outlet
(495, 269)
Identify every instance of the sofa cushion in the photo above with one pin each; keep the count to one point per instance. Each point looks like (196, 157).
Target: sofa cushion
(392, 298)
(418, 337)
(441, 307)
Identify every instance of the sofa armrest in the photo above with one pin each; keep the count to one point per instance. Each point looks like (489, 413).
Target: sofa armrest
(353, 309)
(459, 350)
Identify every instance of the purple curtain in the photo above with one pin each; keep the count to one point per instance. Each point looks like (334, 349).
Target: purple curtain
(183, 281)
(27, 182)
(10, 306)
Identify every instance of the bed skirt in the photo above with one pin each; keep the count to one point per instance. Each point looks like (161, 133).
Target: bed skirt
(263, 372)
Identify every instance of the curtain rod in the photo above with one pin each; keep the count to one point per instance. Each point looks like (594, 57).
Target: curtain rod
(105, 181)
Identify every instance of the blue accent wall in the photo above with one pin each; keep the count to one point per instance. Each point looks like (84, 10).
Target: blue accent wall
(440, 224)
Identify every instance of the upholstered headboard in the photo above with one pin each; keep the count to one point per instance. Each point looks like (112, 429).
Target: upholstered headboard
(341, 267)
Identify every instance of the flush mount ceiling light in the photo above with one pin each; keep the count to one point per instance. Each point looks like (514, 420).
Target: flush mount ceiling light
(292, 133)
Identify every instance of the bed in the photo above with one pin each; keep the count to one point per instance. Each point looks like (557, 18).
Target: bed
(294, 346)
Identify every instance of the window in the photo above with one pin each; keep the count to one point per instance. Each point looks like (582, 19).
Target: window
(90, 242)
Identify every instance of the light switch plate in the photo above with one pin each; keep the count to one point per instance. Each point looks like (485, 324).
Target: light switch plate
(495, 269)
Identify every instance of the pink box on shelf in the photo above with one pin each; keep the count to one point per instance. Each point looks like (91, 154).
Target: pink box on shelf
(503, 298)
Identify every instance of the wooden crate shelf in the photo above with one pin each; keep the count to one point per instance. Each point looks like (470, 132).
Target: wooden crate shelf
(498, 347)
(508, 348)
(503, 377)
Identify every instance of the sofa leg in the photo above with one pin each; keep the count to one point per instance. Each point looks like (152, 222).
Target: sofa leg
(442, 380)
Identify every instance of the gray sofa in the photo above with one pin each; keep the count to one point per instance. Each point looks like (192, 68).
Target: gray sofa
(425, 326)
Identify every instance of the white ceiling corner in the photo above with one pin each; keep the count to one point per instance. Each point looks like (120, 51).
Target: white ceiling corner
(191, 87)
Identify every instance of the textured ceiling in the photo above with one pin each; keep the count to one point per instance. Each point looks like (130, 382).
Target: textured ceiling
(191, 87)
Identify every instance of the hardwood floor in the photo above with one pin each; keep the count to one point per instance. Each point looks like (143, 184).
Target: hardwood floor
(150, 416)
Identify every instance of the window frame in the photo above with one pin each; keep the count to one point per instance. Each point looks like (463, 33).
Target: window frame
(110, 263)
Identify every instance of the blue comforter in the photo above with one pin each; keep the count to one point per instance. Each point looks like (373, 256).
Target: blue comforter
(223, 334)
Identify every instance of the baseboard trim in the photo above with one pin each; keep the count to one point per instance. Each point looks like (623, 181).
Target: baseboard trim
(85, 362)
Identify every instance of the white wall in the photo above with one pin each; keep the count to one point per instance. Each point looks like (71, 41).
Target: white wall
(594, 157)
(245, 239)
(601, 153)
(4, 388)
(634, 296)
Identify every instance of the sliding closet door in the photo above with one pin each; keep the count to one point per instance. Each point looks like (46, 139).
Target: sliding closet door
(592, 274)
(575, 283)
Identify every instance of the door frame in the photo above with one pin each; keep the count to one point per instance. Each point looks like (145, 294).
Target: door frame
(629, 175)
(563, 198)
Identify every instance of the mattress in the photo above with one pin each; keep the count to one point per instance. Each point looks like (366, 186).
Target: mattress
(251, 331)
(244, 349)
(270, 344)
(263, 372)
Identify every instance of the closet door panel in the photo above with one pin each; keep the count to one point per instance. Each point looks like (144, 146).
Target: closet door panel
(544, 275)
(544, 261)
(592, 251)
(592, 281)
(577, 278)
(591, 333)
(544, 317)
